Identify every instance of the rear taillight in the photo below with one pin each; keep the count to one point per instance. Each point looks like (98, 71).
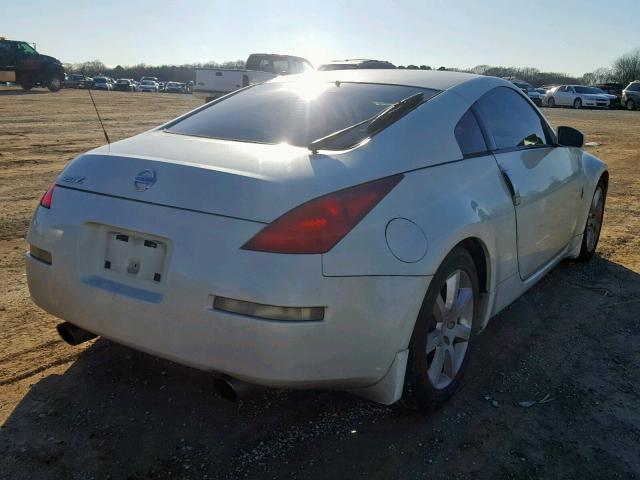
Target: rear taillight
(316, 226)
(47, 198)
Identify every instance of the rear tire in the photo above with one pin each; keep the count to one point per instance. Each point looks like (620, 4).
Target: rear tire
(442, 338)
(26, 83)
(631, 105)
(577, 104)
(593, 227)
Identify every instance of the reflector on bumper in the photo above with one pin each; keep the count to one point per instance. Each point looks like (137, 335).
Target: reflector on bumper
(40, 254)
(269, 312)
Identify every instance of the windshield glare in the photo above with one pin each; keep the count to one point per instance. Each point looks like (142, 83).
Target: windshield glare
(295, 113)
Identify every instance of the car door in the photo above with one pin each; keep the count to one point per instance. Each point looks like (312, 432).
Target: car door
(544, 179)
(560, 96)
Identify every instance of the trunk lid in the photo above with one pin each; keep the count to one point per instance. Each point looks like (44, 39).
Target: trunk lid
(243, 180)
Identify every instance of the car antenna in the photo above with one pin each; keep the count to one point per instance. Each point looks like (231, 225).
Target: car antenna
(104, 130)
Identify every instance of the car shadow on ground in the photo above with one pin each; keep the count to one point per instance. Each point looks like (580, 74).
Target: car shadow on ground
(118, 413)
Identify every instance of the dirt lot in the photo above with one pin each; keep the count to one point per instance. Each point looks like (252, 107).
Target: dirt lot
(105, 411)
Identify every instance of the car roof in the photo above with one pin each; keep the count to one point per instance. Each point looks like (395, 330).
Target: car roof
(437, 80)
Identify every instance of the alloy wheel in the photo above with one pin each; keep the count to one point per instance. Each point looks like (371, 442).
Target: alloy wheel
(448, 342)
(594, 221)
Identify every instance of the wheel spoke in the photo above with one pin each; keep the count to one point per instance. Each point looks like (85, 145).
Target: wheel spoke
(465, 298)
(433, 338)
(435, 369)
(462, 331)
(458, 353)
(453, 284)
(440, 310)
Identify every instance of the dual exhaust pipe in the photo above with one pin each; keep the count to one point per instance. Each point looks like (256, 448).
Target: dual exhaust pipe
(227, 387)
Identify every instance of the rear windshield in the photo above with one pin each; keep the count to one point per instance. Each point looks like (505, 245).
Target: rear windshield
(295, 113)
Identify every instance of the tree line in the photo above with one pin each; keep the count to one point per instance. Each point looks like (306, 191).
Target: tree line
(624, 70)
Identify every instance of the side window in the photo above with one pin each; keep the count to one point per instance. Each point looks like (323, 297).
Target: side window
(306, 67)
(281, 67)
(562, 89)
(511, 120)
(469, 135)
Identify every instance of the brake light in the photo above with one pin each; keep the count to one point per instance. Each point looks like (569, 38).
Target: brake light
(318, 225)
(47, 198)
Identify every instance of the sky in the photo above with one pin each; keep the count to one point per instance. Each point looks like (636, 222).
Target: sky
(569, 36)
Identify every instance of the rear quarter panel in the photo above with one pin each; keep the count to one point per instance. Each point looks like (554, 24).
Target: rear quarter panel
(450, 202)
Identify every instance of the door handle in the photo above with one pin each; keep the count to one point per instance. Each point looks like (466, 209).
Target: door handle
(515, 195)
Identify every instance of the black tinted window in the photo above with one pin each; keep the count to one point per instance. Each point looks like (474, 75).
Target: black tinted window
(293, 112)
(511, 120)
(634, 87)
(469, 135)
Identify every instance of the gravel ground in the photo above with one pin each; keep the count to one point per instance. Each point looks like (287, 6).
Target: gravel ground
(105, 411)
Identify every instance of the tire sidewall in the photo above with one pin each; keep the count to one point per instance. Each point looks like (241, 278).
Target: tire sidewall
(423, 393)
(585, 254)
(577, 103)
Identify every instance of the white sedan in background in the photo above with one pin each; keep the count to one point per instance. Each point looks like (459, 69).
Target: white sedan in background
(148, 86)
(348, 230)
(576, 96)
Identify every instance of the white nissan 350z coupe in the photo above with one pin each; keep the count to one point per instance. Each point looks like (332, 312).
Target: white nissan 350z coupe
(348, 230)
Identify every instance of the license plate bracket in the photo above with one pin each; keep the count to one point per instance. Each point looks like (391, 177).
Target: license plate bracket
(135, 256)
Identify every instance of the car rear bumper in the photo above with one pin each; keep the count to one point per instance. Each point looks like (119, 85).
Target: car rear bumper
(367, 321)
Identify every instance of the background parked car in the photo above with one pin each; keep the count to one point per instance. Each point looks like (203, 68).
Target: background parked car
(103, 83)
(148, 86)
(576, 96)
(73, 80)
(125, 85)
(535, 96)
(614, 99)
(356, 63)
(174, 87)
(631, 96)
(86, 83)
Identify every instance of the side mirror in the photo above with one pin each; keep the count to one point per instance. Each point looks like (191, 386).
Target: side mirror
(570, 137)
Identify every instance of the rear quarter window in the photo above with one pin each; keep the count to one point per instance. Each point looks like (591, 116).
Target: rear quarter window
(469, 135)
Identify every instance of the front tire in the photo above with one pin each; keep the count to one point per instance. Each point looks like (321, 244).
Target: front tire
(592, 229)
(443, 335)
(577, 104)
(630, 105)
(54, 83)
(551, 102)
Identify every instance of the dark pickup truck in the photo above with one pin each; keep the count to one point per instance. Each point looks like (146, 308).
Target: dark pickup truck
(21, 64)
